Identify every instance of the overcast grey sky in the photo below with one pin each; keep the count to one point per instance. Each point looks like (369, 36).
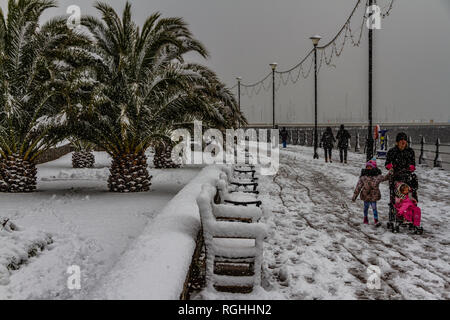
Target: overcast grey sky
(412, 54)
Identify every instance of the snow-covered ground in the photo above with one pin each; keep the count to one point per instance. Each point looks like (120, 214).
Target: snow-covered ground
(318, 247)
(90, 226)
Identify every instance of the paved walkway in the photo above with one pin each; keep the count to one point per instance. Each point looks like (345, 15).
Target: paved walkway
(318, 247)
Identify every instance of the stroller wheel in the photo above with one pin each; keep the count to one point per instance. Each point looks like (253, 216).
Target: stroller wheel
(396, 229)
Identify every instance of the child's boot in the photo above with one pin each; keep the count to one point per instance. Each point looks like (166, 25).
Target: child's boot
(377, 224)
(366, 221)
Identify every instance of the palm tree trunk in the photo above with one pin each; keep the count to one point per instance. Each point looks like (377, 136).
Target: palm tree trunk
(129, 173)
(163, 157)
(83, 159)
(17, 175)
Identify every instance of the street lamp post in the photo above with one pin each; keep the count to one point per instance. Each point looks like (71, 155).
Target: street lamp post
(369, 128)
(239, 79)
(273, 66)
(315, 40)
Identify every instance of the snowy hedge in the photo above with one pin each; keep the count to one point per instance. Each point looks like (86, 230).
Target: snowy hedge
(17, 246)
(156, 265)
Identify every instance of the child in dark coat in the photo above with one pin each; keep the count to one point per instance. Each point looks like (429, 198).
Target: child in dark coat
(368, 188)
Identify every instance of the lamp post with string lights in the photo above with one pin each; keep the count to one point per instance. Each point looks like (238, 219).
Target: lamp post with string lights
(315, 40)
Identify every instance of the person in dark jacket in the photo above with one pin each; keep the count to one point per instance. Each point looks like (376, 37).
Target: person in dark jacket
(342, 137)
(328, 141)
(284, 136)
(402, 160)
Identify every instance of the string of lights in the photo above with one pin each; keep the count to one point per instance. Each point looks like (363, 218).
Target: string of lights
(336, 44)
(388, 11)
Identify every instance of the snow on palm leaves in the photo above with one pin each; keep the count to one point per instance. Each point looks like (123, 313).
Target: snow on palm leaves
(31, 119)
(145, 88)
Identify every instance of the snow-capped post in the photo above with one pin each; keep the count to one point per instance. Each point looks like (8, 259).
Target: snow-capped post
(422, 156)
(387, 142)
(437, 159)
(357, 146)
(409, 142)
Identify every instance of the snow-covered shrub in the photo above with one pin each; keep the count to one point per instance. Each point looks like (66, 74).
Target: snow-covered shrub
(18, 246)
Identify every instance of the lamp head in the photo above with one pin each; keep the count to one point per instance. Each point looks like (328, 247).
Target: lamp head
(273, 65)
(315, 39)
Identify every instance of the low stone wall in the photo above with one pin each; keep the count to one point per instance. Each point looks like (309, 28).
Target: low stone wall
(54, 153)
(158, 262)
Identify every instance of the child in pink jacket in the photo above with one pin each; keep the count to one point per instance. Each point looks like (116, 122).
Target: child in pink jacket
(406, 205)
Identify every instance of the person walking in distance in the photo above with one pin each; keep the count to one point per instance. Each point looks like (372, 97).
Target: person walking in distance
(284, 136)
(328, 141)
(343, 136)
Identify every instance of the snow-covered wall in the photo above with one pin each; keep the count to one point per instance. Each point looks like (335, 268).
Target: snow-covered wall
(156, 265)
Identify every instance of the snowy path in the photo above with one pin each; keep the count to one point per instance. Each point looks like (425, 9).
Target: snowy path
(90, 226)
(318, 247)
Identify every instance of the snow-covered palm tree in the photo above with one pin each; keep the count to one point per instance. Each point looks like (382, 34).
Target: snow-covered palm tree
(144, 87)
(31, 119)
(222, 113)
(82, 157)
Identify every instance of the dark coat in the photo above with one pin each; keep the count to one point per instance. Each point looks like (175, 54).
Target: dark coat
(328, 140)
(284, 135)
(342, 138)
(400, 159)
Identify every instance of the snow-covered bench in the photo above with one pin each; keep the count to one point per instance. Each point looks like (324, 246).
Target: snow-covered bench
(245, 170)
(225, 195)
(234, 250)
(246, 184)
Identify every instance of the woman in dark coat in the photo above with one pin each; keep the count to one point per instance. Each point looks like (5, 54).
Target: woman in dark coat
(343, 136)
(328, 141)
(402, 159)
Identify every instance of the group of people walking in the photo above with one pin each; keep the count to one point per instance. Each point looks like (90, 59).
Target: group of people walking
(328, 140)
(400, 163)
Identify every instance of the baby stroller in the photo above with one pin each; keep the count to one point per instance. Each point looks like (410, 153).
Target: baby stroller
(395, 220)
